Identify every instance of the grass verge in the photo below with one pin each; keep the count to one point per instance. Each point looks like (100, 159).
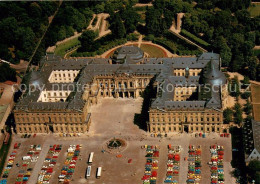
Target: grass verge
(153, 51)
(63, 48)
(3, 154)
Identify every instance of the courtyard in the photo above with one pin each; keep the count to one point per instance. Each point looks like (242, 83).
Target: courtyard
(114, 118)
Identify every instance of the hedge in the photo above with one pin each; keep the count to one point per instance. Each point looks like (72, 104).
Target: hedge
(166, 44)
(194, 38)
(174, 48)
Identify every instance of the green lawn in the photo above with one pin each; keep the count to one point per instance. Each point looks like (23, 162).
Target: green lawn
(63, 48)
(254, 10)
(153, 51)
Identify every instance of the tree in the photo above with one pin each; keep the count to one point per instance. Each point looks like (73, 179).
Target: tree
(130, 18)
(254, 169)
(228, 115)
(35, 10)
(252, 67)
(88, 13)
(99, 8)
(248, 107)
(25, 41)
(238, 114)
(7, 73)
(235, 87)
(87, 40)
(117, 27)
(8, 26)
(221, 46)
(62, 33)
(258, 72)
(246, 95)
(246, 80)
(153, 21)
(69, 31)
(237, 62)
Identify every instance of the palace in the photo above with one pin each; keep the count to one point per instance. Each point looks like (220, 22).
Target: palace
(191, 92)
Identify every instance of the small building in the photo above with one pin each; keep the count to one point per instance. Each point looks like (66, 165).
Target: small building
(134, 53)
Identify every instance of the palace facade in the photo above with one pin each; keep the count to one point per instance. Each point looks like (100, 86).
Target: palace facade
(63, 90)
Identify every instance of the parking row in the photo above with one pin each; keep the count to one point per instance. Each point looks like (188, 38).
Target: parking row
(151, 166)
(194, 165)
(28, 162)
(49, 164)
(69, 166)
(216, 164)
(173, 164)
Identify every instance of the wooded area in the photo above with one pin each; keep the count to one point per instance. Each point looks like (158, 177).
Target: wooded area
(224, 27)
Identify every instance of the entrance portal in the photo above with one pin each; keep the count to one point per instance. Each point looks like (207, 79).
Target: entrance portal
(51, 128)
(120, 94)
(132, 94)
(186, 128)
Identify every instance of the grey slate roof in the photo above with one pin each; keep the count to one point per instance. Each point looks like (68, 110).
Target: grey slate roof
(213, 75)
(183, 81)
(134, 53)
(91, 67)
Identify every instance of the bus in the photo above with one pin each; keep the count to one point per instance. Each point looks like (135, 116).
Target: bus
(99, 169)
(90, 159)
(88, 171)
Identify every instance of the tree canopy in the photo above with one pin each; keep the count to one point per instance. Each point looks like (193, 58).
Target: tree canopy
(22, 25)
(7, 73)
(87, 40)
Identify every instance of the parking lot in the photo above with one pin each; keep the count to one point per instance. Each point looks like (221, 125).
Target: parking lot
(114, 118)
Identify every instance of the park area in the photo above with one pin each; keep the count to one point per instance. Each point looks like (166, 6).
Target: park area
(254, 10)
(52, 157)
(255, 88)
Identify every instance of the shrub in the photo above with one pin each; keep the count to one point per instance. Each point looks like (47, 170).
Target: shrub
(149, 37)
(132, 37)
(246, 95)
